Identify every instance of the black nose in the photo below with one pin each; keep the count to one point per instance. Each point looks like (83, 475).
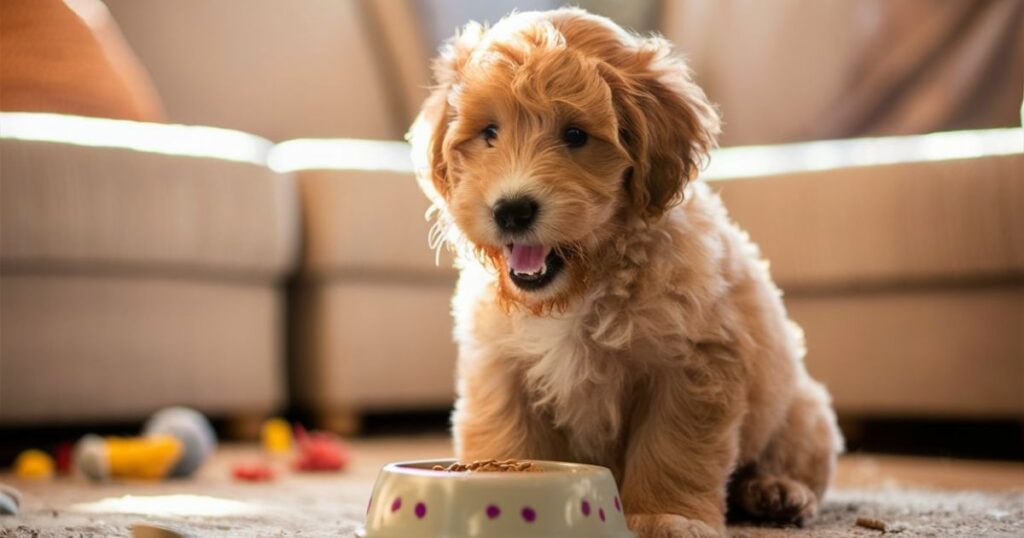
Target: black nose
(515, 214)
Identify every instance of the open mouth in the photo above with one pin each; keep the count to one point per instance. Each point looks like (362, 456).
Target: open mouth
(532, 267)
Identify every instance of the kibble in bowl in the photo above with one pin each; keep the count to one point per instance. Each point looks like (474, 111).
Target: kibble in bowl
(489, 466)
(494, 498)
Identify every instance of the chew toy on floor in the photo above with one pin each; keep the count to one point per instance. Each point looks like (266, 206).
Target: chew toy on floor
(253, 472)
(10, 501)
(175, 443)
(34, 464)
(151, 457)
(320, 451)
(192, 429)
(276, 436)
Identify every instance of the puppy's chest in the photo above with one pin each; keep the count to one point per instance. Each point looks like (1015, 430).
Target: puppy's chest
(584, 388)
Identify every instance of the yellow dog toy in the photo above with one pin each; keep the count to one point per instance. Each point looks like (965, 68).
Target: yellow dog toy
(151, 457)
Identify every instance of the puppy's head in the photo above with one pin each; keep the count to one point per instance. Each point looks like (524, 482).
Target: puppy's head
(547, 133)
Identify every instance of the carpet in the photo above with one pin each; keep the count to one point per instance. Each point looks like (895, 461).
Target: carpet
(914, 497)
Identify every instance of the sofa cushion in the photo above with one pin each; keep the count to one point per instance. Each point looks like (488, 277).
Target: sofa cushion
(87, 193)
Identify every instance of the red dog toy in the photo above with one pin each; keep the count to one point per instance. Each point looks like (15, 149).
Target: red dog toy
(320, 451)
(253, 472)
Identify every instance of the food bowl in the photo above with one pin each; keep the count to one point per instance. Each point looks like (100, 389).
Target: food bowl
(553, 499)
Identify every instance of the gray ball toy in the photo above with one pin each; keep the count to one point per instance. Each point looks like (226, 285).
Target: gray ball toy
(194, 431)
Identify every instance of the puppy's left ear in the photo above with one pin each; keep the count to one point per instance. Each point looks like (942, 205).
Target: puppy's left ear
(666, 124)
(428, 132)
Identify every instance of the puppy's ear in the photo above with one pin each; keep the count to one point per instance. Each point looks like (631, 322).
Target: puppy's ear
(666, 124)
(427, 133)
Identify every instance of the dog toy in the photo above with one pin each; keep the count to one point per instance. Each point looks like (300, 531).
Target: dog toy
(10, 501)
(176, 441)
(192, 429)
(151, 457)
(276, 436)
(63, 455)
(253, 472)
(34, 464)
(320, 451)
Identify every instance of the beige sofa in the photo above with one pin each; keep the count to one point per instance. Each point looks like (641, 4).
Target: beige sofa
(140, 266)
(903, 258)
(370, 310)
(141, 269)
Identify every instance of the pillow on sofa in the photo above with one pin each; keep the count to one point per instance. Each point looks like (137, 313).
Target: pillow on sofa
(69, 57)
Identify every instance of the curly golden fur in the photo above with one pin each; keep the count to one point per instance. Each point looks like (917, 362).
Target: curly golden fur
(662, 349)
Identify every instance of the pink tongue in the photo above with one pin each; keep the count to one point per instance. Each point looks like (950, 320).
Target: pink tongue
(527, 258)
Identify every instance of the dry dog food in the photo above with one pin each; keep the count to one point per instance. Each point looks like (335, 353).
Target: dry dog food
(869, 523)
(489, 466)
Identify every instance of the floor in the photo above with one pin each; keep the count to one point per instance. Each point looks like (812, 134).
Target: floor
(914, 496)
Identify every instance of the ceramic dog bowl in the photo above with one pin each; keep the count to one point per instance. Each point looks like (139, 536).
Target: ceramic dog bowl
(558, 500)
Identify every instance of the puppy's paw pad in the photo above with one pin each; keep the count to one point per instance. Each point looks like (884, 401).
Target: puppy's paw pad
(670, 526)
(778, 499)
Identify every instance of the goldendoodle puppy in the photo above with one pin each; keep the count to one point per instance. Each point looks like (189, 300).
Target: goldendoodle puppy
(607, 310)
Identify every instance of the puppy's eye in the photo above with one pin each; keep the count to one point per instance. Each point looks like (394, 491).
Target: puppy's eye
(575, 137)
(490, 133)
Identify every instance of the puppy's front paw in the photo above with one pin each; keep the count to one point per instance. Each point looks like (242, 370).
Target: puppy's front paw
(776, 498)
(670, 526)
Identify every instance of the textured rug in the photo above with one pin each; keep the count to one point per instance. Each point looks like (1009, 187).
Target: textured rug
(912, 497)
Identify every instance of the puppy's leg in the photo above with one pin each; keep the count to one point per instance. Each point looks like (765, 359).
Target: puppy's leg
(788, 480)
(670, 526)
(679, 457)
(493, 418)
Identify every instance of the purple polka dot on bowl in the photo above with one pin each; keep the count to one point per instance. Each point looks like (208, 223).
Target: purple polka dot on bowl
(585, 508)
(493, 511)
(529, 515)
(618, 507)
(600, 514)
(396, 504)
(421, 510)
